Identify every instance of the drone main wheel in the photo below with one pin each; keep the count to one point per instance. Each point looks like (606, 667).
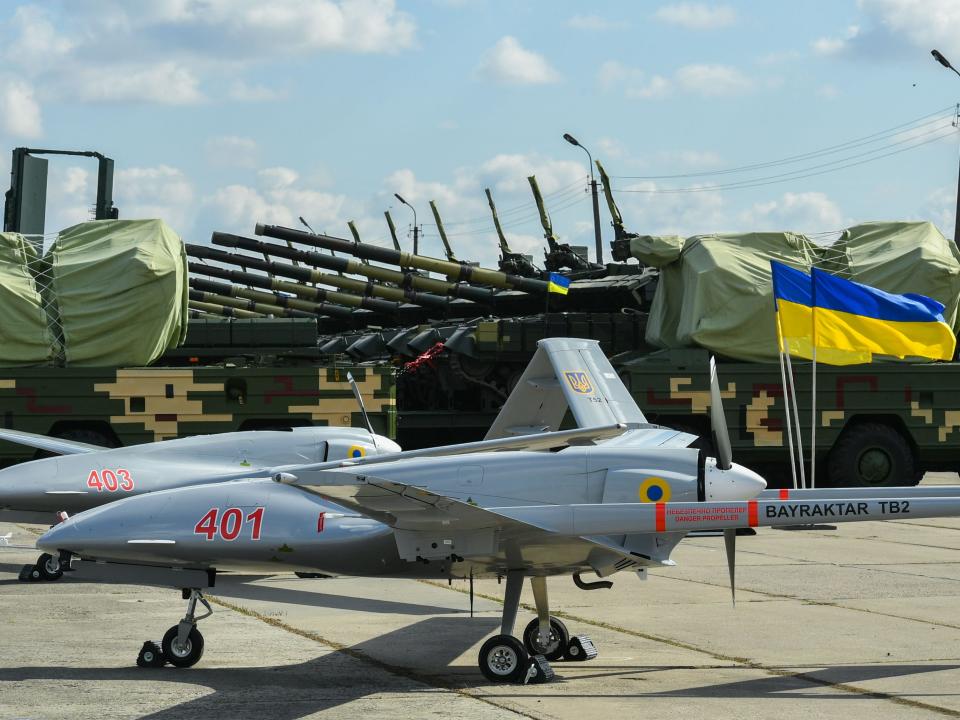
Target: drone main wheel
(557, 644)
(185, 655)
(503, 659)
(49, 567)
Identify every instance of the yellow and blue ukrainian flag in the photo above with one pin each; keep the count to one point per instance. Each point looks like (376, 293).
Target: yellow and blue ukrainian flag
(558, 283)
(848, 322)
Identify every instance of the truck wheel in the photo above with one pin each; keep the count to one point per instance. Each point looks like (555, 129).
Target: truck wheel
(872, 455)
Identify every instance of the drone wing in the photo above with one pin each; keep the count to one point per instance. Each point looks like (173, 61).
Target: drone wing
(44, 442)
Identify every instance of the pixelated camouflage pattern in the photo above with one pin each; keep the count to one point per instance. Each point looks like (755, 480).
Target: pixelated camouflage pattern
(920, 401)
(135, 405)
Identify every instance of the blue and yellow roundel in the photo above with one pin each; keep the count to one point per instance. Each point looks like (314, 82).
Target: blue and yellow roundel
(655, 490)
(356, 451)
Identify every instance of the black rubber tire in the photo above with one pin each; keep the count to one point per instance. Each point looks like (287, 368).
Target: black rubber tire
(185, 657)
(872, 455)
(559, 637)
(45, 566)
(503, 659)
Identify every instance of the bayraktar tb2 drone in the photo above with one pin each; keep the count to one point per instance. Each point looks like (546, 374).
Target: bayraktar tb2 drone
(88, 476)
(529, 501)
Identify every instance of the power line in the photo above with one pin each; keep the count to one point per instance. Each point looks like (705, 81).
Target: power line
(794, 175)
(930, 118)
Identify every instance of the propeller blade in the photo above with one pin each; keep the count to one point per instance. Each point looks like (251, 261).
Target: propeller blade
(730, 544)
(363, 410)
(718, 421)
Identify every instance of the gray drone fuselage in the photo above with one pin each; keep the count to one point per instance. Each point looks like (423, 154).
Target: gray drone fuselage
(261, 525)
(34, 491)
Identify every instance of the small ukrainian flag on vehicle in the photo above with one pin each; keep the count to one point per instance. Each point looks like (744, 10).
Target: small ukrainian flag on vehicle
(558, 284)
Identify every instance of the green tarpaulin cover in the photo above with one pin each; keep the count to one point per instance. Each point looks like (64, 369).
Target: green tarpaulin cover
(717, 294)
(121, 291)
(24, 337)
(108, 293)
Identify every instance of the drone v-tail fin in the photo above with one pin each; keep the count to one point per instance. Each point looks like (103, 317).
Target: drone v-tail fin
(566, 374)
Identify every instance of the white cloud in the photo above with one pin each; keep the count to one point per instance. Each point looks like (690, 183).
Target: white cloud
(246, 92)
(75, 181)
(809, 212)
(590, 22)
(634, 82)
(889, 28)
(255, 29)
(835, 45)
(509, 63)
(166, 51)
(37, 43)
(155, 192)
(166, 83)
(924, 24)
(277, 178)
(280, 199)
(697, 16)
(713, 80)
(232, 151)
(655, 213)
(703, 80)
(940, 208)
(610, 148)
(19, 109)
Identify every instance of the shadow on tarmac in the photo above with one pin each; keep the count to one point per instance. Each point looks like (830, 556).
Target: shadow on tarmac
(293, 691)
(419, 655)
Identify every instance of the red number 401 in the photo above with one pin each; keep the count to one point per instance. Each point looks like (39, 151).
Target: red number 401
(230, 523)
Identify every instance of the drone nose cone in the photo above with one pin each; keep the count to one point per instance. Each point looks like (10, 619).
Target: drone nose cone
(737, 483)
(59, 537)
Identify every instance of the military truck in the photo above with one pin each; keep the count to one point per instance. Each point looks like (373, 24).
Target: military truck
(877, 425)
(228, 368)
(241, 374)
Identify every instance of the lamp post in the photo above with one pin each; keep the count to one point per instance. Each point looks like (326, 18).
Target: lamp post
(416, 228)
(593, 191)
(938, 56)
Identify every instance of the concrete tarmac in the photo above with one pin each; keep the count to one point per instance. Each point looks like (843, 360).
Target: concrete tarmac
(860, 621)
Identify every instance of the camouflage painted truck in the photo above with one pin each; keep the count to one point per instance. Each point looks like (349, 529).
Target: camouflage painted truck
(243, 374)
(877, 425)
(103, 340)
(882, 423)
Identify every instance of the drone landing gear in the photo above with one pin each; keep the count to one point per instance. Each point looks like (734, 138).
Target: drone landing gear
(46, 568)
(182, 644)
(504, 658)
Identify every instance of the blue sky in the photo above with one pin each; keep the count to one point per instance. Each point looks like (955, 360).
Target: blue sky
(222, 113)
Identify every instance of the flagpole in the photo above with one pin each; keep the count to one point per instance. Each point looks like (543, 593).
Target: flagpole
(813, 382)
(796, 416)
(786, 398)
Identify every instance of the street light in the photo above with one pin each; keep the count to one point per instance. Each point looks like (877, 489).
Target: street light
(938, 56)
(593, 190)
(416, 229)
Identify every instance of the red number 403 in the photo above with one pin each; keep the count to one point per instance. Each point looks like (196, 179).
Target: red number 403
(230, 523)
(110, 480)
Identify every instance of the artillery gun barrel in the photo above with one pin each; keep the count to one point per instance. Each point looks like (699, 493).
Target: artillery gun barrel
(317, 297)
(214, 309)
(404, 280)
(318, 294)
(209, 292)
(455, 272)
(244, 278)
(255, 300)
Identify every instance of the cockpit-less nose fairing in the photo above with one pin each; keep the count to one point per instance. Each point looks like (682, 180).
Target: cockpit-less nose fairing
(616, 493)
